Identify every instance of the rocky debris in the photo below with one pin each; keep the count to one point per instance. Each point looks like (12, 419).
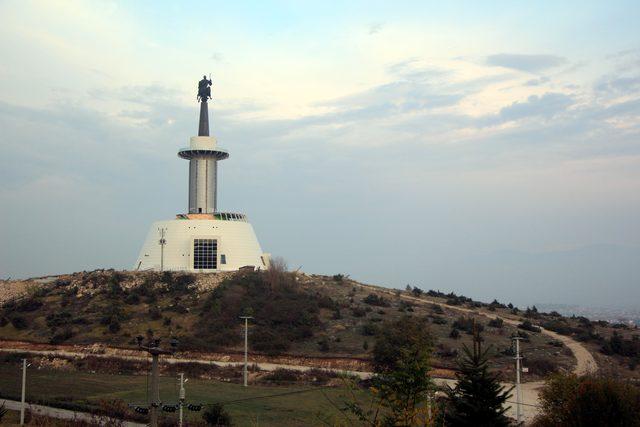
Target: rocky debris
(89, 283)
(10, 289)
(208, 281)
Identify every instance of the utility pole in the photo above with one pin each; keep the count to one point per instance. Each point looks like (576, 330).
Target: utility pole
(518, 391)
(24, 389)
(153, 348)
(246, 327)
(162, 242)
(182, 396)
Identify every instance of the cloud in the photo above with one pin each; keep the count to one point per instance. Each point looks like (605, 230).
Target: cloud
(528, 63)
(618, 85)
(537, 82)
(375, 28)
(546, 106)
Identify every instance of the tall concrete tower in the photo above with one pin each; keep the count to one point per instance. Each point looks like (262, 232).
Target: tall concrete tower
(204, 239)
(203, 155)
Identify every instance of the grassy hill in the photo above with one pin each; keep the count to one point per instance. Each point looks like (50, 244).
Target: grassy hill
(296, 315)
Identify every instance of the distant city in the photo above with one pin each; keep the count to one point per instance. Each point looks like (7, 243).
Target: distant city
(629, 316)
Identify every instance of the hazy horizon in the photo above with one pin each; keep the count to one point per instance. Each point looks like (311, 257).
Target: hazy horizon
(488, 149)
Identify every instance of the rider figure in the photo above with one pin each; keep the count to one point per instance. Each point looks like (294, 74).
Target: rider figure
(204, 89)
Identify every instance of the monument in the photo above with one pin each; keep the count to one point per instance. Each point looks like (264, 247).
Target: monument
(203, 239)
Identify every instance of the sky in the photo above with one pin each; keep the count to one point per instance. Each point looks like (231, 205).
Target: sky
(486, 148)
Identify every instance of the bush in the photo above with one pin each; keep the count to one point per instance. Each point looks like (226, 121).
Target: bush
(282, 376)
(323, 344)
(439, 320)
(619, 345)
(62, 336)
(114, 326)
(455, 334)
(28, 304)
(133, 299)
(467, 324)
(369, 329)
(216, 415)
(377, 300)
(19, 322)
(541, 366)
(528, 326)
(60, 318)
(405, 306)
(358, 311)
(437, 308)
(496, 323)
(268, 341)
(154, 312)
(568, 400)
(404, 333)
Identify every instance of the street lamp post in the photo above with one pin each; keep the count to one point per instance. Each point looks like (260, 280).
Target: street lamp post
(24, 390)
(246, 341)
(153, 348)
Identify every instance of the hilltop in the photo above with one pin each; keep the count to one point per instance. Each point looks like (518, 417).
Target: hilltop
(297, 316)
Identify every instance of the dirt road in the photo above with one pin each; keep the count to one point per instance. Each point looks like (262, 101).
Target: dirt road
(585, 362)
(65, 414)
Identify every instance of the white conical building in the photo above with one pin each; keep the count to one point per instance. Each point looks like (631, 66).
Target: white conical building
(203, 240)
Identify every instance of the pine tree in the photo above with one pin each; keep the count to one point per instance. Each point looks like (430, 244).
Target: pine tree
(478, 398)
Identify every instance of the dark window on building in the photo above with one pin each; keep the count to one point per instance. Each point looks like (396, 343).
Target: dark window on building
(223, 259)
(205, 254)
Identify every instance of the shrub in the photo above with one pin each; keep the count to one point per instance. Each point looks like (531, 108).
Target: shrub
(268, 341)
(28, 304)
(404, 333)
(619, 345)
(133, 299)
(323, 344)
(438, 320)
(377, 300)
(369, 329)
(154, 312)
(338, 278)
(568, 400)
(542, 366)
(282, 376)
(496, 323)
(358, 311)
(405, 306)
(58, 319)
(528, 326)
(437, 308)
(467, 324)
(216, 415)
(19, 322)
(114, 326)
(325, 301)
(62, 336)
(455, 334)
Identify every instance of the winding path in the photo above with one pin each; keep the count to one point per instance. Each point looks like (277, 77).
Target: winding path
(585, 362)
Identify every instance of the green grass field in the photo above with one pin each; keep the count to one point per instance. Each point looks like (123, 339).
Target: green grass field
(289, 410)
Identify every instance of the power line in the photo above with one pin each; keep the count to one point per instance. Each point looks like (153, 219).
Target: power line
(268, 396)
